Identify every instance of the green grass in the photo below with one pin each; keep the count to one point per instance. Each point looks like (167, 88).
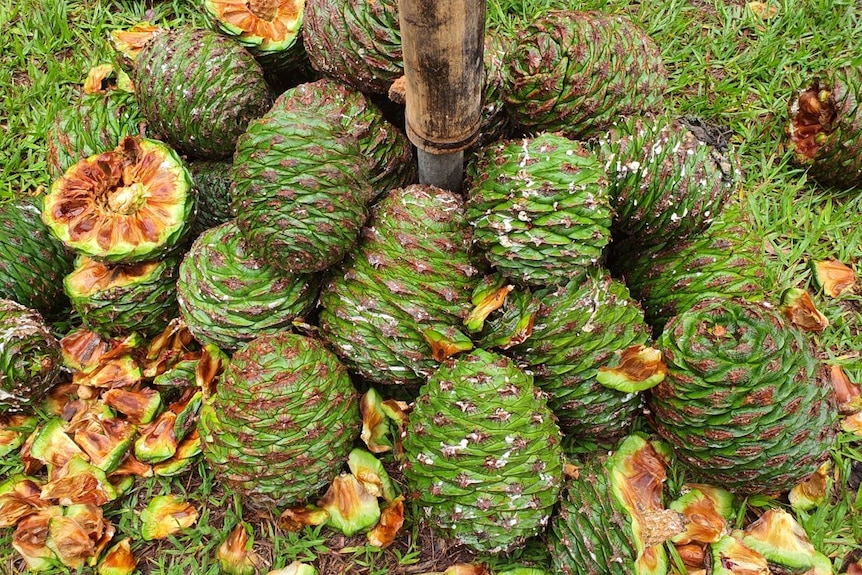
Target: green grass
(727, 64)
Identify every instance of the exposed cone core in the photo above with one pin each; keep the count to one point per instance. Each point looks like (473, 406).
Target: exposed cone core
(269, 29)
(122, 206)
(815, 114)
(269, 21)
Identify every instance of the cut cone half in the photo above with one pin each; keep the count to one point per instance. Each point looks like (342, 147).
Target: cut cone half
(267, 28)
(127, 205)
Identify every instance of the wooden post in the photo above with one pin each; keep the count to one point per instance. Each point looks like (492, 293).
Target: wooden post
(442, 43)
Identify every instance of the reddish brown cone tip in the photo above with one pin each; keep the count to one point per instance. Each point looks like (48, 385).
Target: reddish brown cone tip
(812, 117)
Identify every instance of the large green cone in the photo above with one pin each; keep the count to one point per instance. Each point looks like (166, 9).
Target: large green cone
(610, 520)
(30, 358)
(212, 181)
(539, 207)
(577, 72)
(228, 297)
(282, 420)
(579, 328)
(116, 300)
(726, 259)
(32, 261)
(825, 127)
(355, 41)
(384, 147)
(410, 273)
(667, 178)
(482, 453)
(94, 124)
(198, 90)
(301, 183)
(746, 402)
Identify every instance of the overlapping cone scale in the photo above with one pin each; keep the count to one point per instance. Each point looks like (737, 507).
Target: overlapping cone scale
(301, 184)
(93, 124)
(357, 42)
(725, 259)
(116, 300)
(579, 328)
(611, 519)
(211, 179)
(539, 208)
(32, 261)
(481, 453)
(198, 90)
(669, 178)
(578, 71)
(30, 358)
(411, 272)
(746, 403)
(228, 297)
(282, 420)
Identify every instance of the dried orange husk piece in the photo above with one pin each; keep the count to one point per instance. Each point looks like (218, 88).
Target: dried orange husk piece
(235, 554)
(78, 482)
(391, 520)
(31, 536)
(139, 405)
(375, 425)
(131, 204)
(129, 42)
(166, 515)
(120, 371)
(811, 492)
(77, 537)
(833, 277)
(14, 429)
(295, 518)
(351, 508)
(168, 348)
(847, 393)
(798, 307)
(118, 560)
(20, 496)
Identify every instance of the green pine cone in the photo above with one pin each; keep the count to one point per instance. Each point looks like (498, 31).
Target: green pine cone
(746, 402)
(282, 420)
(386, 149)
(212, 181)
(482, 453)
(726, 259)
(199, 90)
(579, 328)
(32, 261)
(300, 185)
(825, 127)
(539, 208)
(667, 178)
(356, 41)
(116, 300)
(31, 361)
(576, 72)
(228, 297)
(411, 273)
(610, 520)
(94, 124)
